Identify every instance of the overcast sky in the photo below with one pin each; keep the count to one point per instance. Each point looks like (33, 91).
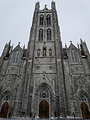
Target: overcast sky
(16, 20)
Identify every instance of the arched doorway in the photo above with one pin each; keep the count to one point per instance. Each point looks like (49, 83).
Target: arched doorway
(4, 110)
(44, 109)
(85, 111)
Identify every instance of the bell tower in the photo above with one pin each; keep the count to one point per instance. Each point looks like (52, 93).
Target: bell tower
(44, 77)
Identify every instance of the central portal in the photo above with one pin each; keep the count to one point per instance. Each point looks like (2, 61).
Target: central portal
(44, 109)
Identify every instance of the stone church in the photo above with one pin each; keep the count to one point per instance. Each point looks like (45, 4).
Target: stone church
(45, 80)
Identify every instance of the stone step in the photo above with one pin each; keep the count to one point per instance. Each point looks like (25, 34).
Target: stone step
(42, 119)
(15, 118)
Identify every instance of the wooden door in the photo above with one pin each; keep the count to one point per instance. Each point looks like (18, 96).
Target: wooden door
(4, 110)
(44, 109)
(85, 111)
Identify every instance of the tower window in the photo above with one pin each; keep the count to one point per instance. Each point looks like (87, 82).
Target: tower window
(50, 51)
(38, 52)
(15, 57)
(48, 19)
(41, 19)
(12, 68)
(77, 68)
(44, 51)
(73, 55)
(48, 34)
(50, 67)
(37, 67)
(41, 35)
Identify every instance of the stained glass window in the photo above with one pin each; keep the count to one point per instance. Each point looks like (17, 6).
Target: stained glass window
(15, 57)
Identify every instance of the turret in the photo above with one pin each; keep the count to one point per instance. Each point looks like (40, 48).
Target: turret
(53, 5)
(84, 50)
(37, 6)
(6, 49)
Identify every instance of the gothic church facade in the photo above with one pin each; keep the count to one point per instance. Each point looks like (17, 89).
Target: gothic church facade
(45, 80)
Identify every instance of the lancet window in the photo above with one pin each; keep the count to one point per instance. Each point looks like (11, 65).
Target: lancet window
(16, 57)
(48, 19)
(48, 34)
(74, 57)
(41, 20)
(41, 35)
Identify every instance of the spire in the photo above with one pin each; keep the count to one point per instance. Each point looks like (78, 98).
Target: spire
(81, 40)
(37, 6)
(10, 42)
(53, 5)
(78, 45)
(11, 47)
(24, 47)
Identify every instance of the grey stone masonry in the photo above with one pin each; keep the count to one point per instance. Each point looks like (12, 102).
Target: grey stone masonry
(45, 80)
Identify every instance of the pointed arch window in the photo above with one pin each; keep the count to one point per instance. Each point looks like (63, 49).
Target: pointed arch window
(41, 35)
(48, 19)
(6, 97)
(74, 57)
(41, 20)
(48, 34)
(16, 57)
(44, 93)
